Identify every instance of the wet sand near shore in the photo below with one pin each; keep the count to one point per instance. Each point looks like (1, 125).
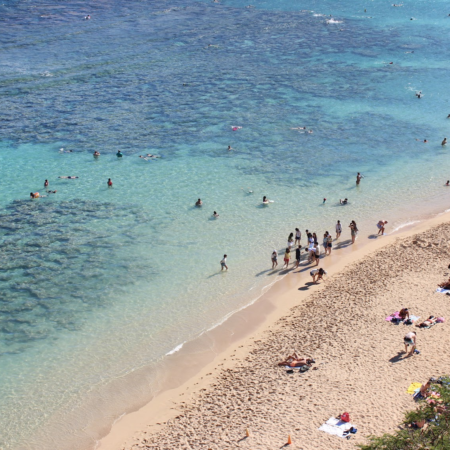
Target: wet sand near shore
(360, 360)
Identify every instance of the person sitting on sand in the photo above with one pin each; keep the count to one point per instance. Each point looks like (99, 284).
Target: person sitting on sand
(404, 314)
(428, 322)
(425, 388)
(199, 202)
(410, 340)
(295, 361)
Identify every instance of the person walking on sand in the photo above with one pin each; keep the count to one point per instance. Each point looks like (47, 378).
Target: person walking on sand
(353, 231)
(223, 263)
(410, 340)
(381, 224)
(298, 236)
(338, 229)
(274, 259)
(358, 178)
(109, 182)
(287, 258)
(297, 256)
(317, 274)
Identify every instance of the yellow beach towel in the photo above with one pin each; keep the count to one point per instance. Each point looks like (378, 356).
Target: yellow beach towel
(413, 387)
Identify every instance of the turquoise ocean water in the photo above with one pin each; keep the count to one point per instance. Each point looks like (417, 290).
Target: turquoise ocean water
(96, 283)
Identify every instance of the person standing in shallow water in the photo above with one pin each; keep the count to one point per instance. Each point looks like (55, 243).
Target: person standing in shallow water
(223, 263)
(109, 182)
(46, 183)
(274, 259)
(353, 230)
(358, 178)
(338, 229)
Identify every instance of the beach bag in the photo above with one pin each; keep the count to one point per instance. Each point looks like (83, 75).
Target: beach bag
(345, 417)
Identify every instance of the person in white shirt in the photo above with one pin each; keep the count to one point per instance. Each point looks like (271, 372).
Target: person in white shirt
(223, 263)
(317, 274)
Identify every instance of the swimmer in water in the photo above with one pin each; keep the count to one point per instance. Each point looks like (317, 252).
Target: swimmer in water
(119, 154)
(109, 182)
(310, 131)
(96, 154)
(358, 178)
(444, 142)
(87, 17)
(324, 200)
(153, 156)
(343, 202)
(448, 117)
(419, 94)
(45, 183)
(51, 192)
(448, 183)
(65, 151)
(230, 148)
(299, 128)
(236, 128)
(35, 195)
(143, 157)
(69, 178)
(199, 202)
(215, 215)
(265, 200)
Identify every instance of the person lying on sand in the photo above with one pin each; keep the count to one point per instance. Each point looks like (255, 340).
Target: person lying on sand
(295, 361)
(427, 323)
(445, 284)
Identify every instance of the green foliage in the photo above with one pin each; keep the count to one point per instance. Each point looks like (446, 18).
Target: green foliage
(435, 434)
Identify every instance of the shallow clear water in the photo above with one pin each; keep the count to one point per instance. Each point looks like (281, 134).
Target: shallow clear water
(96, 282)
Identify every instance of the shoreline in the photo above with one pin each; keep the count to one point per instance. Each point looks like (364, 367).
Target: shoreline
(201, 357)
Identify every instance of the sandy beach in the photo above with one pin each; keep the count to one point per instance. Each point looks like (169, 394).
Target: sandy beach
(360, 365)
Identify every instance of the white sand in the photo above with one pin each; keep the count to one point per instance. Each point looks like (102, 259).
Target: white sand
(360, 358)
